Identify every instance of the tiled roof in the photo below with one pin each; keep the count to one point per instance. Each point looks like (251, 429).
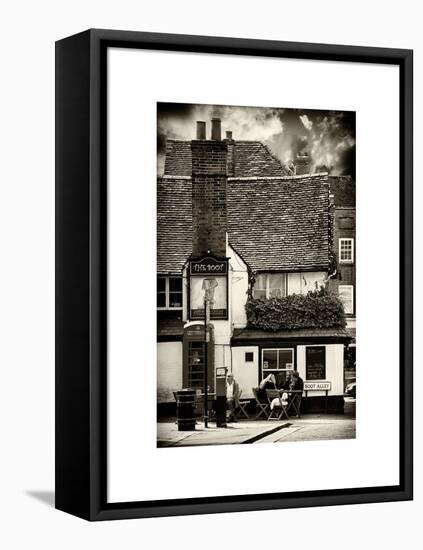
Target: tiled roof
(251, 158)
(280, 224)
(343, 190)
(255, 334)
(174, 222)
(274, 224)
(178, 158)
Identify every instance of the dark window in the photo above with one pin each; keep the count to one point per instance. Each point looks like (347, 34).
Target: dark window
(169, 292)
(249, 356)
(175, 292)
(316, 363)
(161, 291)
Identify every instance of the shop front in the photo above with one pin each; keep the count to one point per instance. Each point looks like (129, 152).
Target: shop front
(318, 358)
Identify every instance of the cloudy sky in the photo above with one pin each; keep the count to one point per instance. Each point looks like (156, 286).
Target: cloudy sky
(328, 136)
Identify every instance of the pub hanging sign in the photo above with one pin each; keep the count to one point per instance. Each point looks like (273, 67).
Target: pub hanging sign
(208, 281)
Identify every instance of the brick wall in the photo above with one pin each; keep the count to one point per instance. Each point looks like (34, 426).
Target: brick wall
(209, 208)
(230, 159)
(344, 227)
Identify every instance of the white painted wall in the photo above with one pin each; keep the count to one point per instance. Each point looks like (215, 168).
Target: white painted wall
(238, 276)
(169, 370)
(245, 373)
(334, 368)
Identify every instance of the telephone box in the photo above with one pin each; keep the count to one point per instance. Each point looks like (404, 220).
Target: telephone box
(195, 348)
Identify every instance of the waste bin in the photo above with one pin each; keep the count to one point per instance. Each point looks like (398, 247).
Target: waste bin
(185, 404)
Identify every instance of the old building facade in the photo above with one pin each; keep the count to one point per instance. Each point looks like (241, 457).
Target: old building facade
(237, 225)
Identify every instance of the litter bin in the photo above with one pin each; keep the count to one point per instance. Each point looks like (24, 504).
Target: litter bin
(185, 404)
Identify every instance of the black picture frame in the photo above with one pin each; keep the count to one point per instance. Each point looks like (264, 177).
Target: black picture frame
(81, 274)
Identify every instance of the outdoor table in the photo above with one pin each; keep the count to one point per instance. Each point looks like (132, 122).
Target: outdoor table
(292, 402)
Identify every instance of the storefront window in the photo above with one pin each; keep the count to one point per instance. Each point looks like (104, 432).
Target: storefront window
(279, 362)
(270, 285)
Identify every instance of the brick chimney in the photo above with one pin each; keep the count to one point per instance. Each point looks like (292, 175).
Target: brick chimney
(201, 129)
(302, 164)
(231, 161)
(216, 130)
(209, 180)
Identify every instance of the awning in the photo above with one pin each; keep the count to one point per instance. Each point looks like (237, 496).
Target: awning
(330, 334)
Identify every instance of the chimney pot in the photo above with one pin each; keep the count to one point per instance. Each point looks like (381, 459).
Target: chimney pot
(216, 129)
(201, 129)
(228, 134)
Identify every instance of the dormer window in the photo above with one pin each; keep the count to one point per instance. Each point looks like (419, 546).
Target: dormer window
(270, 285)
(169, 292)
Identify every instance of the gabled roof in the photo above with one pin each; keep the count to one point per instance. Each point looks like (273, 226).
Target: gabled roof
(251, 158)
(343, 190)
(278, 223)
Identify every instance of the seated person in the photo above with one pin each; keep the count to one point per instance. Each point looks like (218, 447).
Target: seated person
(288, 382)
(268, 383)
(232, 396)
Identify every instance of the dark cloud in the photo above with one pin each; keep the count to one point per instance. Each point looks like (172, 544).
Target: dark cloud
(327, 136)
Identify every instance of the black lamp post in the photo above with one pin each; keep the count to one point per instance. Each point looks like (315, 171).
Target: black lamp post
(206, 340)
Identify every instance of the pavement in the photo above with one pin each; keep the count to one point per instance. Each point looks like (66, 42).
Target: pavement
(307, 428)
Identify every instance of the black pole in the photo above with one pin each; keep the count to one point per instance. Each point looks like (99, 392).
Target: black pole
(206, 412)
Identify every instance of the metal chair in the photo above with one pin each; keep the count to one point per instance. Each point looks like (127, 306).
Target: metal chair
(261, 406)
(240, 409)
(280, 407)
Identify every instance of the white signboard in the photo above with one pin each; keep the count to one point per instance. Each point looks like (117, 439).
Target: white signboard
(308, 386)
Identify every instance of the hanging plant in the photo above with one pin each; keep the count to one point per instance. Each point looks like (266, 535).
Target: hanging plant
(316, 309)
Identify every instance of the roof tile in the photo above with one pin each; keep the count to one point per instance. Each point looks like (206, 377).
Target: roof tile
(274, 224)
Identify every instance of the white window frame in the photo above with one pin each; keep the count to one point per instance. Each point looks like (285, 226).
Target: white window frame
(345, 239)
(267, 283)
(351, 287)
(277, 368)
(167, 292)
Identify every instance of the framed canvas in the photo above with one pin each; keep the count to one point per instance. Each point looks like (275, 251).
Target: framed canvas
(233, 274)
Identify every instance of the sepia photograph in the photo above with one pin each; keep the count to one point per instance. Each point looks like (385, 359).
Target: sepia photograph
(256, 275)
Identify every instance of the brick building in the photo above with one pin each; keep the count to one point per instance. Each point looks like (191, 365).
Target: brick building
(343, 282)
(232, 220)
